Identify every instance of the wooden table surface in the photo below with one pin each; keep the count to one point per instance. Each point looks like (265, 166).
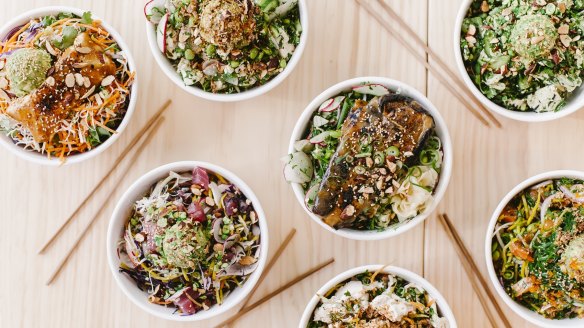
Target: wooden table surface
(249, 138)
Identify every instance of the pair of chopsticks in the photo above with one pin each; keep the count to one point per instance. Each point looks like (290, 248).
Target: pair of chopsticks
(473, 274)
(246, 309)
(444, 74)
(142, 139)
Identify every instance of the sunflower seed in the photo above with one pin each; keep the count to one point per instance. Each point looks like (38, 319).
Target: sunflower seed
(80, 65)
(565, 40)
(50, 48)
(98, 99)
(50, 81)
(107, 80)
(537, 39)
(84, 50)
(79, 79)
(70, 80)
(471, 39)
(564, 29)
(139, 237)
(89, 92)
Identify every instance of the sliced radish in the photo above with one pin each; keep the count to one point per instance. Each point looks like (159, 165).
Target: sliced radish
(325, 105)
(320, 137)
(371, 89)
(337, 102)
(152, 15)
(161, 33)
(319, 121)
(303, 145)
(311, 194)
(299, 168)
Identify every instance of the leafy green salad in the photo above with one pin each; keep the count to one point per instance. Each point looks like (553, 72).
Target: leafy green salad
(525, 55)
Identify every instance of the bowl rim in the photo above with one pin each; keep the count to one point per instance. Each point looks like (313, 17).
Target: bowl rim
(171, 73)
(119, 215)
(441, 126)
(570, 108)
(410, 276)
(42, 159)
(519, 309)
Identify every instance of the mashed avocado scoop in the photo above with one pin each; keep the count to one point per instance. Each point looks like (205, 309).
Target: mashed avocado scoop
(533, 37)
(27, 70)
(185, 245)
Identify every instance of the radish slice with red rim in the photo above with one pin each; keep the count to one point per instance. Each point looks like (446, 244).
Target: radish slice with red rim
(337, 102)
(320, 137)
(161, 33)
(371, 89)
(154, 16)
(326, 105)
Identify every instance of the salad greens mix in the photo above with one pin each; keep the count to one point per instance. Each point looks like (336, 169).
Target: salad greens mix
(525, 55)
(538, 248)
(377, 300)
(190, 241)
(226, 46)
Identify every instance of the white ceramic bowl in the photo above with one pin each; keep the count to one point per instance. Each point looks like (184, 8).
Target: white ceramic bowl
(574, 103)
(175, 77)
(120, 217)
(522, 311)
(443, 307)
(441, 130)
(39, 158)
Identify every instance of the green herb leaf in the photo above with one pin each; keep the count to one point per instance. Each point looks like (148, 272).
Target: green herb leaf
(86, 18)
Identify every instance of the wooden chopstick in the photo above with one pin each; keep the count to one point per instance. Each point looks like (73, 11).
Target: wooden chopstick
(438, 60)
(423, 61)
(270, 265)
(117, 162)
(266, 298)
(146, 140)
(473, 273)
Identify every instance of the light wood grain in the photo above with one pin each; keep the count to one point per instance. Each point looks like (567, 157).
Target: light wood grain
(248, 138)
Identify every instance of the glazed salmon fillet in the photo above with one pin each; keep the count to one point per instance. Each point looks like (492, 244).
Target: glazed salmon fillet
(361, 172)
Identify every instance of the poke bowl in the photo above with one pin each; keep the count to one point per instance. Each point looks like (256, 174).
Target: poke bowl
(534, 249)
(188, 241)
(369, 158)
(67, 85)
(227, 50)
(378, 296)
(522, 59)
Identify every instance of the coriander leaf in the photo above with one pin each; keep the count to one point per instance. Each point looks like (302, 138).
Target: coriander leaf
(67, 37)
(86, 18)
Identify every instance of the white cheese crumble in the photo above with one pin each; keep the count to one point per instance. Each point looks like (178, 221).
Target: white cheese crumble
(391, 307)
(545, 99)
